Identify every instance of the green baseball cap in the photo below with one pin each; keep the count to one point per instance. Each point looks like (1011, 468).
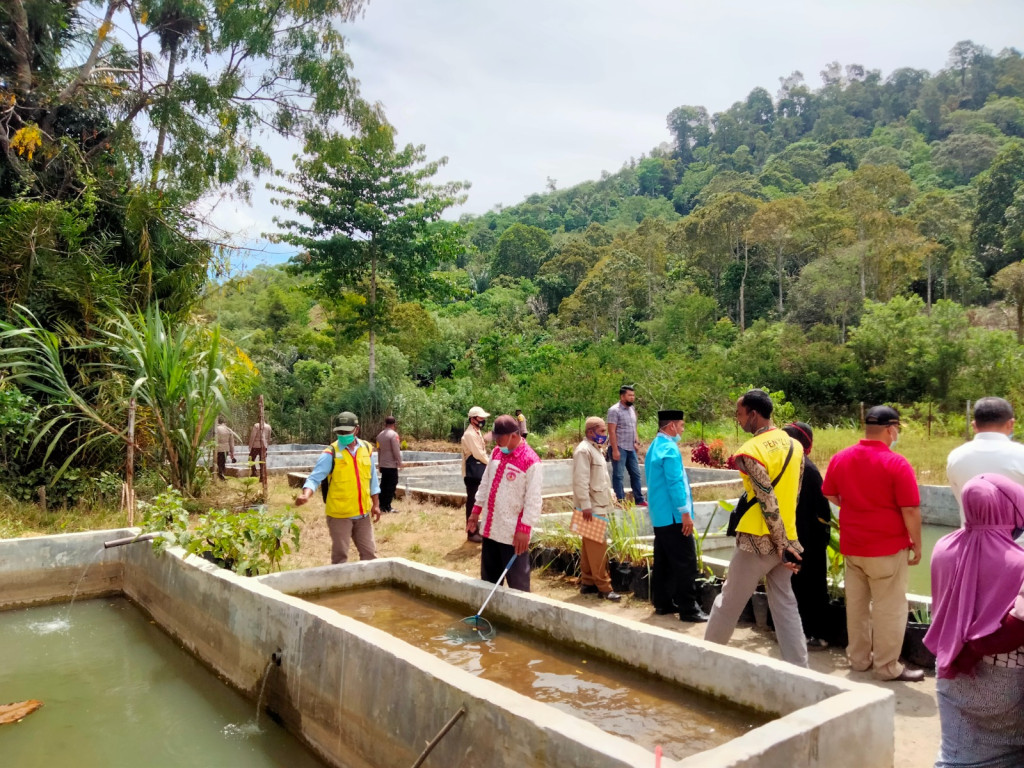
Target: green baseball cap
(345, 423)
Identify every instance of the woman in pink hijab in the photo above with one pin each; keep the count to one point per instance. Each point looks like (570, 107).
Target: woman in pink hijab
(977, 630)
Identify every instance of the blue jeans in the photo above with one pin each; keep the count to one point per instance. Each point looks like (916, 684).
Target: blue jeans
(632, 464)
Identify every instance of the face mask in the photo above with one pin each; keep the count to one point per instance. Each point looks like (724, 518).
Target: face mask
(600, 439)
(505, 449)
(676, 438)
(895, 440)
(344, 440)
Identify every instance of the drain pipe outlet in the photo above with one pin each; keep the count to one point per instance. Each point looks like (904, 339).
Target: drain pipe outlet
(129, 540)
(277, 656)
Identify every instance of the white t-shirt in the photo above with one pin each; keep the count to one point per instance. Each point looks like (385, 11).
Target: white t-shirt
(988, 452)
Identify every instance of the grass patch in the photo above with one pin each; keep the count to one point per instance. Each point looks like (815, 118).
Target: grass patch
(19, 519)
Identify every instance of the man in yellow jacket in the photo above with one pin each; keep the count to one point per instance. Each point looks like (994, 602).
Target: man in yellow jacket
(349, 466)
(771, 466)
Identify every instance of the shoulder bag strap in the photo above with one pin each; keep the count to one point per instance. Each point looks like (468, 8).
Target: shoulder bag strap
(785, 464)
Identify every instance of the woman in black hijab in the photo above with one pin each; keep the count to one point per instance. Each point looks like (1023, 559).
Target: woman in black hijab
(813, 513)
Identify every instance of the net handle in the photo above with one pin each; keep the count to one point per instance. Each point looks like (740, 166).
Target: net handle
(497, 583)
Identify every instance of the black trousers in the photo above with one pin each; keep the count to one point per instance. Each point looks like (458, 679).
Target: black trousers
(388, 483)
(675, 570)
(222, 463)
(810, 586)
(472, 486)
(494, 556)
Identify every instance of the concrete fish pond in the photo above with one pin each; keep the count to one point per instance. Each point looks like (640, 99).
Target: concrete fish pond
(361, 697)
(617, 699)
(300, 458)
(441, 482)
(117, 691)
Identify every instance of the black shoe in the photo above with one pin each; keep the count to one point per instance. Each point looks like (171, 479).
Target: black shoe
(610, 596)
(476, 538)
(589, 589)
(696, 616)
(665, 611)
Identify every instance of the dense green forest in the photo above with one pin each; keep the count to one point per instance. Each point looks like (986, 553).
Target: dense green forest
(857, 241)
(862, 240)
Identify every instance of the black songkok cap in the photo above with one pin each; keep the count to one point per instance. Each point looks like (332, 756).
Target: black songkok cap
(670, 415)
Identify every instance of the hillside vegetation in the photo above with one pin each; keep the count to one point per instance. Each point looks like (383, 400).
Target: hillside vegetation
(858, 241)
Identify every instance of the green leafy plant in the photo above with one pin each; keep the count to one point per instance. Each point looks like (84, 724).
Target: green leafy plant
(625, 529)
(558, 536)
(703, 569)
(922, 614)
(172, 370)
(836, 562)
(248, 543)
(164, 512)
(251, 491)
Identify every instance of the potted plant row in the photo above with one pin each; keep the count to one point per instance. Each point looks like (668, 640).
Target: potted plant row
(557, 549)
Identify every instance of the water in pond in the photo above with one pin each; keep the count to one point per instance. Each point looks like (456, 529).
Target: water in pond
(615, 698)
(118, 692)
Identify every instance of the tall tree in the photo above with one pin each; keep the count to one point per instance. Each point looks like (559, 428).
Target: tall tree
(776, 225)
(997, 189)
(106, 218)
(369, 212)
(521, 250)
(1009, 281)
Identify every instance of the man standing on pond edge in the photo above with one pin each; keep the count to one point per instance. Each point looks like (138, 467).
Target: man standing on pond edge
(771, 466)
(474, 462)
(349, 467)
(623, 445)
(879, 537)
(389, 451)
(673, 578)
(508, 506)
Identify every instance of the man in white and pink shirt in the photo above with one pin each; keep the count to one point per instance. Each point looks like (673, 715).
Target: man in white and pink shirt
(507, 505)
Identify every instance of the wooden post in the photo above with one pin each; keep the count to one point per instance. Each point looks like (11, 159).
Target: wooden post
(263, 453)
(433, 743)
(862, 414)
(129, 467)
(967, 422)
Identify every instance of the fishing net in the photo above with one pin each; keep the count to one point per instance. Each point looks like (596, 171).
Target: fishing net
(472, 629)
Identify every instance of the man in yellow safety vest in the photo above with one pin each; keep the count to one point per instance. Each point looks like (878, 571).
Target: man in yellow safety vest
(349, 467)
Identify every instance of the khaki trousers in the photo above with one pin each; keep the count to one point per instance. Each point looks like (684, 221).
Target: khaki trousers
(594, 565)
(344, 530)
(745, 571)
(876, 612)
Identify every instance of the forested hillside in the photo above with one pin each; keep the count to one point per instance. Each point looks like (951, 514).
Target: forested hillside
(857, 240)
(860, 240)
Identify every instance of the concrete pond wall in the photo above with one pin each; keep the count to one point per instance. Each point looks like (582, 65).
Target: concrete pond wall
(361, 698)
(442, 483)
(285, 459)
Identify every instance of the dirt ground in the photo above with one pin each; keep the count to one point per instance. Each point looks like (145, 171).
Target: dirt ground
(434, 535)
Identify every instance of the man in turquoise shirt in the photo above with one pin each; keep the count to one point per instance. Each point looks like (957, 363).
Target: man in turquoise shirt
(670, 505)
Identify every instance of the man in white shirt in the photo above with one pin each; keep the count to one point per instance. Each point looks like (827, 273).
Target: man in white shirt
(991, 450)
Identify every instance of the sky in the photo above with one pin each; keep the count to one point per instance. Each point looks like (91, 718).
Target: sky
(516, 93)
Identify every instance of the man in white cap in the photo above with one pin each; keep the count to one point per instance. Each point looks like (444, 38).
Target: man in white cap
(352, 499)
(474, 461)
